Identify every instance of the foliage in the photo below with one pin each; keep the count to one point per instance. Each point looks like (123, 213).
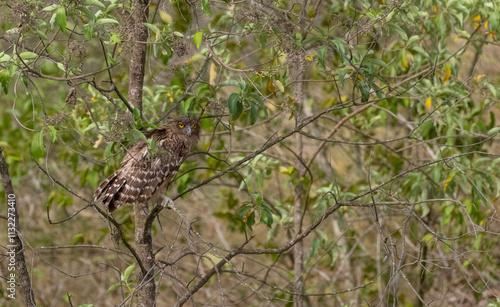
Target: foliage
(384, 113)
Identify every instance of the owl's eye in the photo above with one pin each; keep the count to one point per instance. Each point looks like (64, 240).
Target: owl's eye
(181, 126)
(194, 126)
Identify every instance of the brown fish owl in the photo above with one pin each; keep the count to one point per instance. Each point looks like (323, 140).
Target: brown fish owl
(144, 176)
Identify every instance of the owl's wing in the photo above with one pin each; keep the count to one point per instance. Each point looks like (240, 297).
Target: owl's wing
(138, 178)
(116, 190)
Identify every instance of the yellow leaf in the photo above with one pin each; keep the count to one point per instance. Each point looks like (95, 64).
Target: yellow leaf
(486, 25)
(244, 219)
(478, 17)
(165, 17)
(448, 180)
(410, 57)
(428, 103)
(93, 99)
(447, 72)
(479, 78)
(278, 84)
(435, 9)
(328, 103)
(427, 238)
(283, 170)
(213, 74)
(476, 25)
(404, 63)
(210, 259)
(271, 88)
(361, 78)
(407, 57)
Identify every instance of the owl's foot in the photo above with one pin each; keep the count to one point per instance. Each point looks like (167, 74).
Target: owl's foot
(167, 202)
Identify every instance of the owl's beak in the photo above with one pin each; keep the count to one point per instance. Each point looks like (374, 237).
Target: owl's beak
(188, 130)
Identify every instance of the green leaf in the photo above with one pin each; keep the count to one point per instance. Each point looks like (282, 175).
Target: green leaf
(61, 18)
(321, 57)
(106, 20)
(128, 271)
(50, 8)
(266, 217)
(342, 74)
(197, 39)
(4, 57)
(88, 31)
(41, 34)
(229, 82)
(251, 220)
(28, 55)
(494, 131)
(37, 145)
(205, 6)
(495, 21)
(412, 39)
(151, 27)
(365, 91)
(186, 104)
(339, 43)
(96, 3)
(139, 135)
(53, 133)
(109, 149)
(311, 39)
(137, 114)
(323, 235)
(113, 288)
(235, 106)
(254, 113)
(401, 33)
(113, 6)
(87, 12)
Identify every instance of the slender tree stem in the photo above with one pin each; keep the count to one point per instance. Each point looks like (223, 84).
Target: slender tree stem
(15, 242)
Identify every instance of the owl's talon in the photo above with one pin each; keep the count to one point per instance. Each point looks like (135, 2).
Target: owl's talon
(167, 202)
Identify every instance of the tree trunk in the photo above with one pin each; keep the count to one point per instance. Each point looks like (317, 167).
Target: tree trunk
(138, 60)
(15, 244)
(144, 243)
(146, 294)
(298, 249)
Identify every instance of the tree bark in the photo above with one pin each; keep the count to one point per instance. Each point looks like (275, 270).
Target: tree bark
(138, 61)
(146, 294)
(15, 242)
(298, 249)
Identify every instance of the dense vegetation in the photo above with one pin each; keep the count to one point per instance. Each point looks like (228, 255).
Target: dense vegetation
(349, 152)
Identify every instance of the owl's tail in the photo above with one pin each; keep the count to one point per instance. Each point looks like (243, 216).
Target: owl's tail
(107, 193)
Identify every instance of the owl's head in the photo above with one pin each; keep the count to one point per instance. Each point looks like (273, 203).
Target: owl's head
(187, 125)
